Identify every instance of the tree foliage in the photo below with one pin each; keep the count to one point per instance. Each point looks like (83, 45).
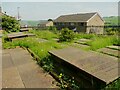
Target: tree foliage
(50, 20)
(111, 31)
(10, 24)
(66, 35)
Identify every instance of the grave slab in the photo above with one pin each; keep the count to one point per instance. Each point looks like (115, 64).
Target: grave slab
(103, 67)
(21, 71)
(109, 51)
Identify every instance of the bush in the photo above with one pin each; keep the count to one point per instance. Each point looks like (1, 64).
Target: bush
(10, 24)
(111, 31)
(66, 35)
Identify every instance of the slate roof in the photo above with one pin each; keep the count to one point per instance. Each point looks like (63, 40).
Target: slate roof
(84, 17)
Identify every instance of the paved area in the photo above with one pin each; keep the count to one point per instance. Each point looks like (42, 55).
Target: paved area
(109, 51)
(19, 70)
(101, 66)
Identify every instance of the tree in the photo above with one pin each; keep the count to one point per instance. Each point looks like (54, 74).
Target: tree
(50, 20)
(10, 24)
(66, 35)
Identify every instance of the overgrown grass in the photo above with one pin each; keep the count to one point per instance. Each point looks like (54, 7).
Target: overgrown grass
(40, 48)
(101, 42)
(86, 36)
(45, 34)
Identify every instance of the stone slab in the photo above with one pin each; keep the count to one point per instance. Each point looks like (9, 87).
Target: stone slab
(42, 40)
(80, 45)
(25, 29)
(109, 51)
(10, 75)
(18, 65)
(11, 78)
(114, 47)
(18, 35)
(98, 65)
(83, 41)
(56, 39)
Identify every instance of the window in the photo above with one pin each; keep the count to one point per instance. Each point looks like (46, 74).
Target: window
(69, 23)
(63, 24)
(55, 23)
(72, 24)
(82, 24)
(60, 23)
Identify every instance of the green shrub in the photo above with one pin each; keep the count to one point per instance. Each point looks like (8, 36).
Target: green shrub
(10, 24)
(66, 35)
(111, 31)
(117, 41)
(46, 63)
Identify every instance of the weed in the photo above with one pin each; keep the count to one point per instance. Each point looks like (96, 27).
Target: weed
(45, 34)
(101, 42)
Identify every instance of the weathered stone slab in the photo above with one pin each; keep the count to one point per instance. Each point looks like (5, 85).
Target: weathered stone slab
(100, 66)
(42, 40)
(19, 35)
(11, 78)
(25, 29)
(108, 51)
(114, 47)
(83, 41)
(10, 75)
(20, 71)
(83, 46)
(56, 39)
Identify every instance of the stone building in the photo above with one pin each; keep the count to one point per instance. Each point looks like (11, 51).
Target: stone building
(85, 22)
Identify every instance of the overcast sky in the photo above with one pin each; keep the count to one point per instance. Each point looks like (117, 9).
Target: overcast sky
(45, 10)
